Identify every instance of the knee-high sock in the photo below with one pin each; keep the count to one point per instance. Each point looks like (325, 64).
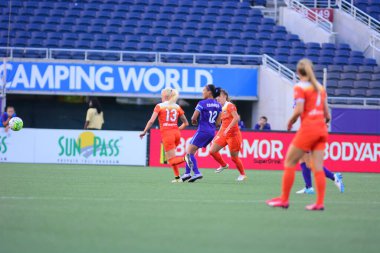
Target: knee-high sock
(195, 165)
(187, 169)
(306, 173)
(287, 183)
(218, 158)
(320, 182)
(329, 174)
(175, 170)
(239, 164)
(176, 160)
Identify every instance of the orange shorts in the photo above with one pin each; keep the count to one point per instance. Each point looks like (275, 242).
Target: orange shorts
(170, 139)
(310, 139)
(233, 140)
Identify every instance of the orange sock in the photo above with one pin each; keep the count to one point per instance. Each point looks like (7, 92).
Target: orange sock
(239, 165)
(175, 170)
(218, 158)
(287, 183)
(320, 183)
(176, 160)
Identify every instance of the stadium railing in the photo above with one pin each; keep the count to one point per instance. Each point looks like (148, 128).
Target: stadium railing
(319, 3)
(122, 56)
(279, 68)
(375, 43)
(311, 15)
(359, 15)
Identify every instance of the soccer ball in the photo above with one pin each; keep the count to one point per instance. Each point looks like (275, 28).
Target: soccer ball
(16, 124)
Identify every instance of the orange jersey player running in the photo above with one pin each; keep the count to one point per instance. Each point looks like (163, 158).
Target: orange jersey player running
(168, 113)
(229, 134)
(311, 105)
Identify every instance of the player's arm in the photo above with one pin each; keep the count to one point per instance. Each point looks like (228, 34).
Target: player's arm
(218, 121)
(88, 118)
(149, 124)
(5, 120)
(194, 118)
(326, 111)
(185, 123)
(234, 121)
(298, 110)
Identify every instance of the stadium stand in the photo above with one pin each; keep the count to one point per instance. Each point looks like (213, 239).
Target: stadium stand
(208, 27)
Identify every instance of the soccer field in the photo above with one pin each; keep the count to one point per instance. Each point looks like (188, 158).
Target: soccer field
(77, 208)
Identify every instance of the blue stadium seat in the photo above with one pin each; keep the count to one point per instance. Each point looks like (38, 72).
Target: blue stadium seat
(375, 84)
(284, 44)
(278, 37)
(350, 69)
(340, 60)
(365, 69)
(373, 93)
(364, 76)
(369, 62)
(348, 76)
(237, 50)
(225, 42)
(297, 52)
(346, 84)
(252, 51)
(361, 84)
(356, 61)
(335, 68)
(312, 52)
(313, 45)
(227, 12)
(333, 76)
(233, 35)
(222, 50)
(219, 34)
(342, 92)
(263, 36)
(282, 52)
(299, 45)
(332, 84)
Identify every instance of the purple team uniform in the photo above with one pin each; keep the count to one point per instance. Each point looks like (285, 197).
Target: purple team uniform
(209, 110)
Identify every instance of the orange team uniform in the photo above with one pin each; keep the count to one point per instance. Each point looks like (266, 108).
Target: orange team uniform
(233, 138)
(168, 115)
(312, 134)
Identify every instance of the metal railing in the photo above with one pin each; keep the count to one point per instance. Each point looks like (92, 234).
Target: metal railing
(311, 15)
(359, 15)
(354, 101)
(279, 68)
(130, 56)
(319, 3)
(374, 43)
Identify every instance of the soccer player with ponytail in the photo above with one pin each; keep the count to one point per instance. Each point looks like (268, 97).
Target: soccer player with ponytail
(311, 106)
(206, 114)
(229, 134)
(168, 113)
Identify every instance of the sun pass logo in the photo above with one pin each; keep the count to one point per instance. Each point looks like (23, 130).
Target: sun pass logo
(88, 144)
(104, 78)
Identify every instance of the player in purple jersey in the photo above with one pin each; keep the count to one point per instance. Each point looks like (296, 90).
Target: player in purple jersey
(206, 114)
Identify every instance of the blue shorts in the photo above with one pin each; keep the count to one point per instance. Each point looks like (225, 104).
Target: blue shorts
(202, 139)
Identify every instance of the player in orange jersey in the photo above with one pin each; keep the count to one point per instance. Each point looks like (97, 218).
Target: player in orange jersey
(229, 134)
(311, 106)
(168, 113)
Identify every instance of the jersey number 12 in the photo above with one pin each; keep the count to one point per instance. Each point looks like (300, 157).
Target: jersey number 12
(212, 117)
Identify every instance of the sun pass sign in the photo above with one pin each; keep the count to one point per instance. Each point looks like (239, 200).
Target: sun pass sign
(125, 80)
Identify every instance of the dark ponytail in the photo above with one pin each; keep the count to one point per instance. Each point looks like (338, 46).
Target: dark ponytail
(215, 91)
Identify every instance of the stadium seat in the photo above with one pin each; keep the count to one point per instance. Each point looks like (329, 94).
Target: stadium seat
(346, 84)
(350, 69)
(333, 76)
(333, 84)
(348, 76)
(374, 84)
(361, 84)
(342, 92)
(373, 93)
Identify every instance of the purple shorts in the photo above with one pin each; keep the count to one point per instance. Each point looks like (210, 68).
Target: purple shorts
(202, 139)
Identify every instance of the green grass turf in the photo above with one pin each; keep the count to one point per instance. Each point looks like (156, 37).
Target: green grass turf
(73, 208)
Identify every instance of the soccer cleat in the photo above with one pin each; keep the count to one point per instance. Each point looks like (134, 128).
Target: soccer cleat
(177, 180)
(315, 207)
(220, 169)
(242, 178)
(338, 181)
(188, 161)
(195, 178)
(306, 191)
(185, 177)
(277, 202)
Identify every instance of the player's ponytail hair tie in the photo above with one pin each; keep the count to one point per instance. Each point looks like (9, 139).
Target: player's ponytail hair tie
(215, 91)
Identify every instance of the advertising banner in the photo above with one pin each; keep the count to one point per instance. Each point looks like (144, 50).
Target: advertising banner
(72, 147)
(125, 80)
(267, 150)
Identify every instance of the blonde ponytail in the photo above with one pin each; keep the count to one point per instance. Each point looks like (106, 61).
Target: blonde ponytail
(305, 68)
(170, 94)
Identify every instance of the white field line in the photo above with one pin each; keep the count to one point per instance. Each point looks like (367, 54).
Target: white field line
(227, 201)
